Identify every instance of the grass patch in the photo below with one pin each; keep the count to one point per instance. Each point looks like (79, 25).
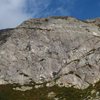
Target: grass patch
(7, 93)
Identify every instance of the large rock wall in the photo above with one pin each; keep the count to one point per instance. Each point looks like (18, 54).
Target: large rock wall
(56, 50)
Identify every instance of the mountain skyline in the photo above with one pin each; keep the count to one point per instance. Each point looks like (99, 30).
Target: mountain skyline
(14, 12)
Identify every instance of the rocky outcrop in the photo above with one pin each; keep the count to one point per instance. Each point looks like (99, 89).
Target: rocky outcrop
(55, 50)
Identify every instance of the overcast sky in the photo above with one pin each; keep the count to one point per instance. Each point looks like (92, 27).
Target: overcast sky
(13, 12)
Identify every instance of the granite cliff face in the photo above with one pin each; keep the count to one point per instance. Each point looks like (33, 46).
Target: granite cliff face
(55, 50)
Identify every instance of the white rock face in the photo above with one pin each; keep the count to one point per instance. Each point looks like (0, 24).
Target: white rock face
(63, 49)
(23, 88)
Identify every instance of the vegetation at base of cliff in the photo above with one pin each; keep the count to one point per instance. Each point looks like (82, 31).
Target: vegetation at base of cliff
(43, 93)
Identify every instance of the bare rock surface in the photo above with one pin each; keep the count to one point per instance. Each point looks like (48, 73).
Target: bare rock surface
(63, 50)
